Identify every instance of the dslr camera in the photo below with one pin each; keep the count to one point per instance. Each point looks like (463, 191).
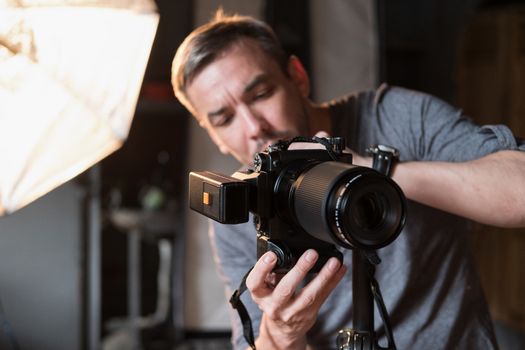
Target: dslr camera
(302, 199)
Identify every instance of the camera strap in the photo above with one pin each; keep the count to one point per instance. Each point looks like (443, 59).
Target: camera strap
(374, 260)
(237, 304)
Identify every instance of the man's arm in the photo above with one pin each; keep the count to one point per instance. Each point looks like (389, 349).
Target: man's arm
(489, 190)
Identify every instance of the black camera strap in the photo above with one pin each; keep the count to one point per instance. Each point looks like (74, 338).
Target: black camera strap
(237, 304)
(374, 260)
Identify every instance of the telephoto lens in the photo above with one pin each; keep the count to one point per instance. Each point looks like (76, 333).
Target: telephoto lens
(344, 204)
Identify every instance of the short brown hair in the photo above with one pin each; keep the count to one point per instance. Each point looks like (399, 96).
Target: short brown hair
(205, 43)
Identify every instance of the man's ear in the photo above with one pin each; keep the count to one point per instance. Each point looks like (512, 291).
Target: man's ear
(299, 76)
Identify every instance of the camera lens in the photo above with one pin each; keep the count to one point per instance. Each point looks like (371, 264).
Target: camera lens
(348, 205)
(369, 211)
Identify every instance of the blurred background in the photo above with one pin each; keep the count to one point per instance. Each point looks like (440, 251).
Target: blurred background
(113, 258)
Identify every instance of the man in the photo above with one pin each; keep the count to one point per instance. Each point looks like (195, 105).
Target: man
(233, 76)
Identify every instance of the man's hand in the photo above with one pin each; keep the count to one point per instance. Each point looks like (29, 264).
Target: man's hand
(288, 311)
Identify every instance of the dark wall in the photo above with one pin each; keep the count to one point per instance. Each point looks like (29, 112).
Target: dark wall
(419, 42)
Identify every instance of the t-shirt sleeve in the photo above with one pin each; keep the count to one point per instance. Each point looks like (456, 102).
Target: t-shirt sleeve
(234, 248)
(424, 127)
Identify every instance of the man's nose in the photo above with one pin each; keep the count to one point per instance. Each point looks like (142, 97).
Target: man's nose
(256, 125)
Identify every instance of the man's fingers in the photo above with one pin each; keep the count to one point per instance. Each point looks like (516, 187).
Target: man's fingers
(288, 284)
(281, 299)
(316, 292)
(256, 281)
(322, 134)
(332, 279)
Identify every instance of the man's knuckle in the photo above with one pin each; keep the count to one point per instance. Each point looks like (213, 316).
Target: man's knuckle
(250, 284)
(307, 300)
(284, 292)
(303, 267)
(286, 318)
(254, 287)
(324, 278)
(271, 312)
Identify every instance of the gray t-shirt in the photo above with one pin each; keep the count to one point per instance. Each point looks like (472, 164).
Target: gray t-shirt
(427, 276)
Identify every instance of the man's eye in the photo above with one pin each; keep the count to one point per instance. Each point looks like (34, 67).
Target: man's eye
(222, 120)
(262, 94)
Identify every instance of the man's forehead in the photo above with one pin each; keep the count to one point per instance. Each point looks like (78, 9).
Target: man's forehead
(230, 76)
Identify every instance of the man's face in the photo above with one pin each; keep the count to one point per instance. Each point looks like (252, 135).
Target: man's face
(246, 102)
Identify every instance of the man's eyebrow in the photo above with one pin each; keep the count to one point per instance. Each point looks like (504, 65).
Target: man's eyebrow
(255, 81)
(249, 87)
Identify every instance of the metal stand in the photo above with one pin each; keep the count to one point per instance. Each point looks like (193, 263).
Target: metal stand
(93, 293)
(140, 224)
(362, 336)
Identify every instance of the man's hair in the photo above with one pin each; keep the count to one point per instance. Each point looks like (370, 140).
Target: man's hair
(208, 41)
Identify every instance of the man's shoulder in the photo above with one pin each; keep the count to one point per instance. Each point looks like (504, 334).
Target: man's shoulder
(385, 93)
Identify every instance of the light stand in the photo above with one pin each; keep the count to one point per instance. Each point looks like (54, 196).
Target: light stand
(82, 83)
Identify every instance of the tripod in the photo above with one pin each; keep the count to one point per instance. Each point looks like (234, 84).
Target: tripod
(364, 289)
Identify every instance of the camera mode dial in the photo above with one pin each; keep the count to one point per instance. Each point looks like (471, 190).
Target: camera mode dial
(258, 162)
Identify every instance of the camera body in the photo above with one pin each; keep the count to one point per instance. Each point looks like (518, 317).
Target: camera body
(302, 199)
